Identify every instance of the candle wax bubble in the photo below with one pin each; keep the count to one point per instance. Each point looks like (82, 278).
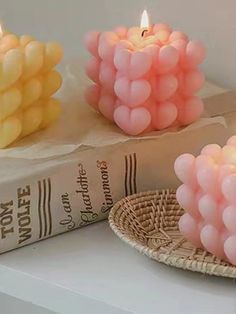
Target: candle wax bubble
(10, 100)
(229, 248)
(212, 150)
(121, 32)
(168, 59)
(91, 42)
(10, 130)
(211, 239)
(53, 54)
(163, 115)
(229, 218)
(34, 59)
(107, 45)
(134, 64)
(122, 59)
(229, 188)
(187, 199)
(160, 27)
(133, 31)
(193, 81)
(140, 64)
(25, 39)
(11, 68)
(163, 35)
(124, 44)
(195, 54)
(202, 161)
(180, 45)
(107, 77)
(8, 42)
(51, 112)
(176, 35)
(208, 208)
(232, 141)
(229, 154)
(133, 121)
(32, 119)
(132, 93)
(191, 110)
(33, 89)
(164, 87)
(226, 170)
(189, 229)
(207, 177)
(185, 169)
(153, 51)
(50, 84)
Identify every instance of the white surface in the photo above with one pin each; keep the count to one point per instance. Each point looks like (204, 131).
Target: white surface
(212, 21)
(10, 305)
(91, 271)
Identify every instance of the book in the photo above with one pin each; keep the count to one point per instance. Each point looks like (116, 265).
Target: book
(48, 189)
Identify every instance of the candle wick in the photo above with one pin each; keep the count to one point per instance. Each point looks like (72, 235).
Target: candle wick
(144, 31)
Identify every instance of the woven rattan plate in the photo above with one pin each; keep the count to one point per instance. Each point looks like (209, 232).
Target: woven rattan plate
(149, 222)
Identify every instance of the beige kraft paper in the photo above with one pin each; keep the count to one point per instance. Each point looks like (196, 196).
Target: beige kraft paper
(80, 126)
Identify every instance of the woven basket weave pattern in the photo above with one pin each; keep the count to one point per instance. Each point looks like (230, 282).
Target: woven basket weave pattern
(149, 222)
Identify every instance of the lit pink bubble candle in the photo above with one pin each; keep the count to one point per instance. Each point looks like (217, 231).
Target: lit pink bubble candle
(208, 195)
(145, 77)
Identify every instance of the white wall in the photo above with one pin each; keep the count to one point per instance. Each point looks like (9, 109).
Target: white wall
(213, 21)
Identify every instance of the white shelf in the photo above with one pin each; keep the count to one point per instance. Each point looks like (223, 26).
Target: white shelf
(91, 271)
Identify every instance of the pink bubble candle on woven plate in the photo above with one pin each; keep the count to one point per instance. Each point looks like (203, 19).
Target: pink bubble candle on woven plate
(145, 78)
(208, 195)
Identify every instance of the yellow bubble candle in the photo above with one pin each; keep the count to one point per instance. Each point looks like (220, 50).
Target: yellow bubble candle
(28, 81)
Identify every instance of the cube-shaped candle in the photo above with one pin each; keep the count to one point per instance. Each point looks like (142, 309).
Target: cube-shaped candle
(208, 195)
(145, 78)
(27, 82)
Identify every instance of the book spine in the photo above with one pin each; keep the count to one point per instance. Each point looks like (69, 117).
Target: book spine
(79, 189)
(64, 197)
